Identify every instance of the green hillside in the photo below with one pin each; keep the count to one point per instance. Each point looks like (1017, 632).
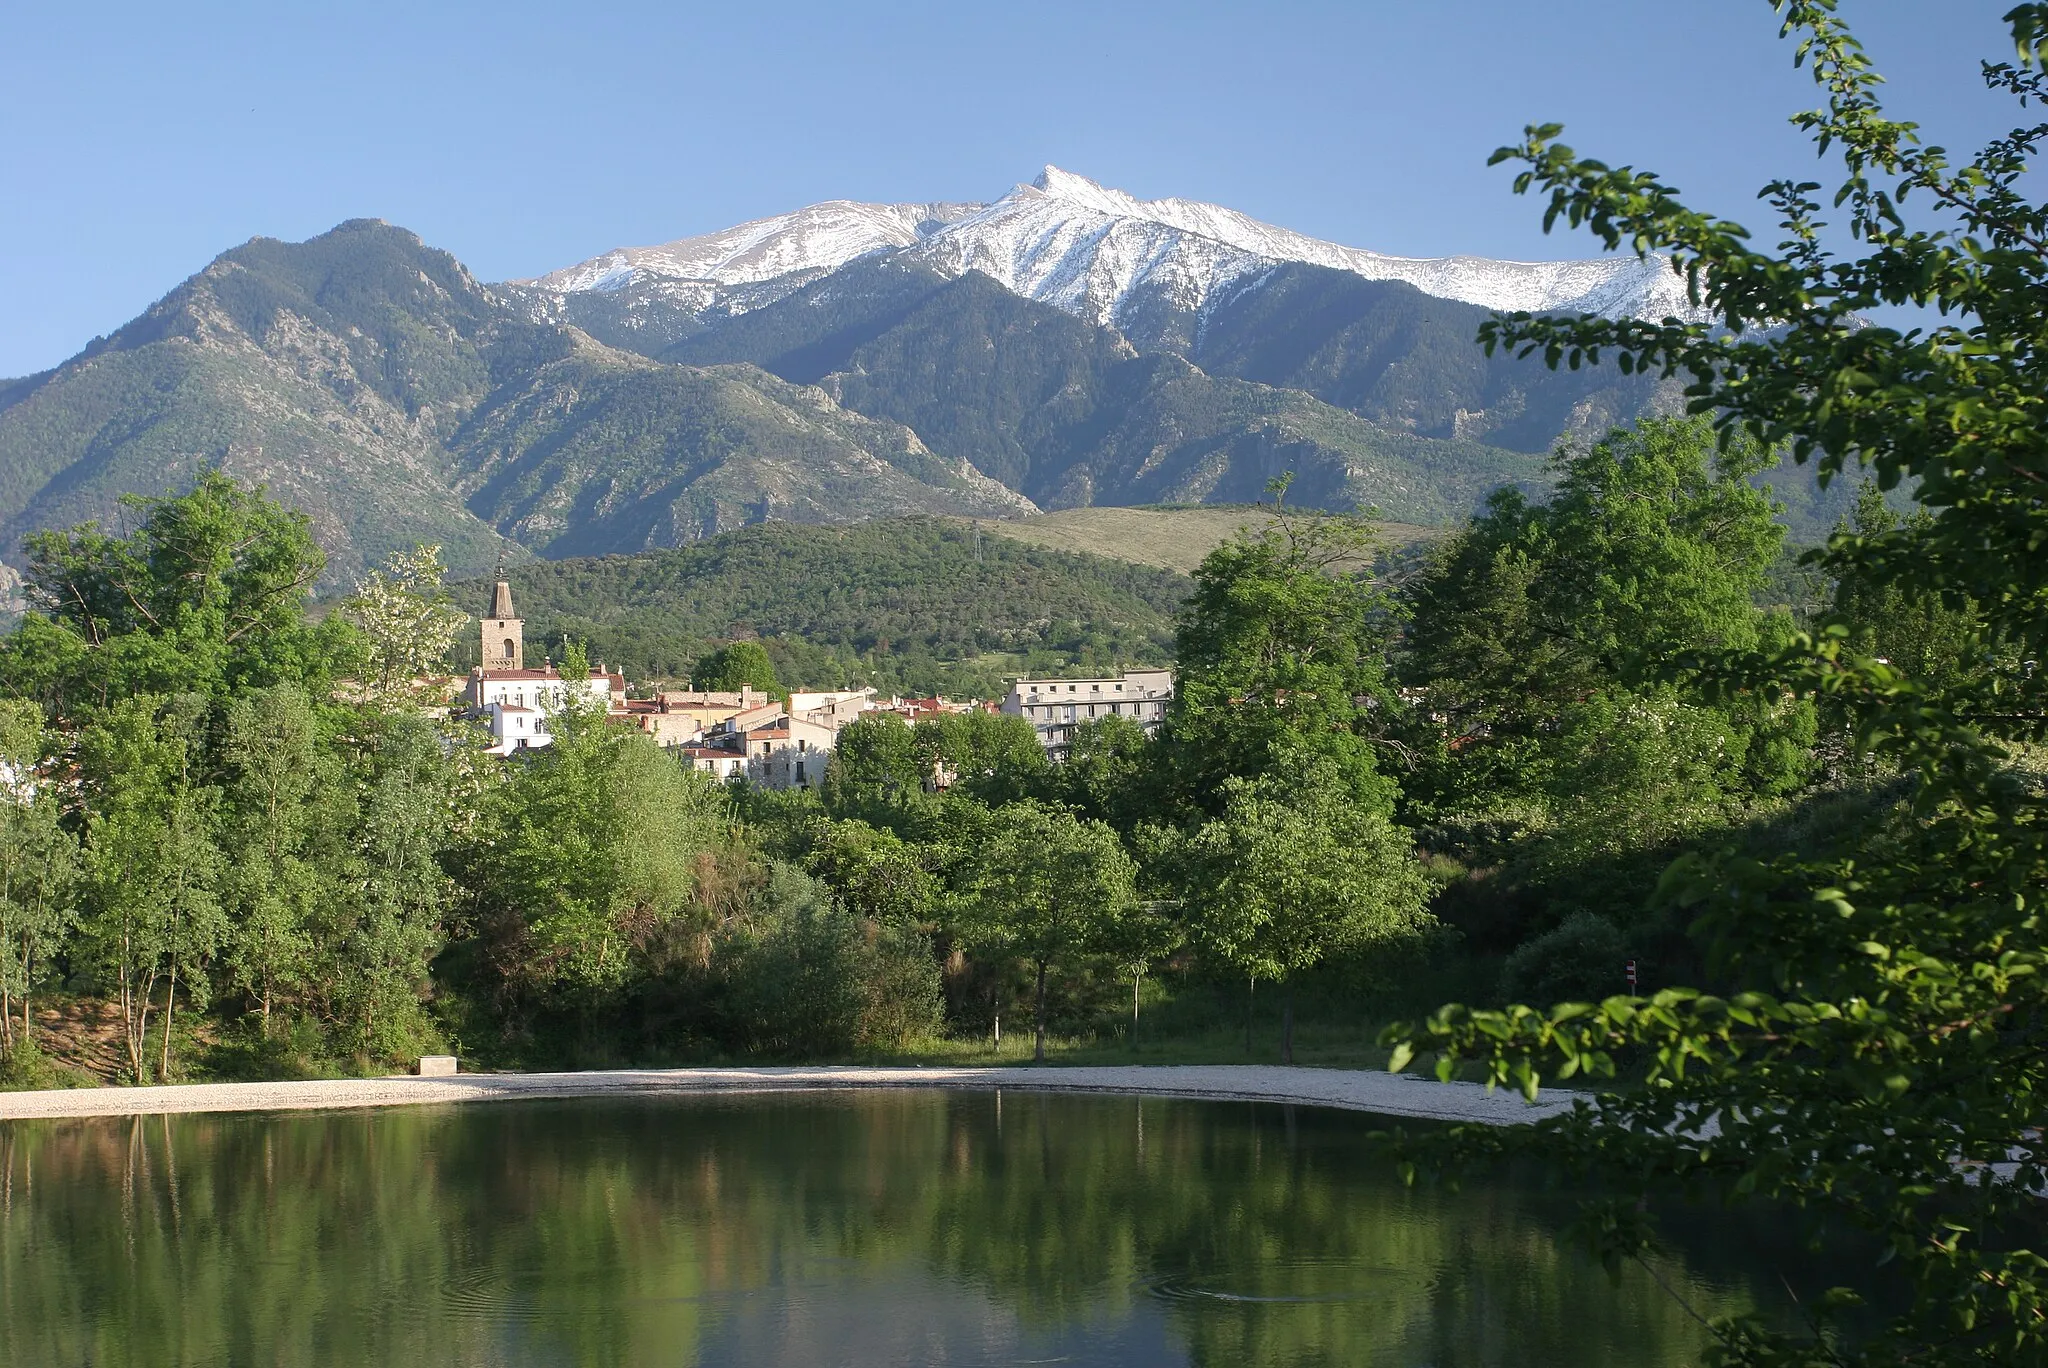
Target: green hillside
(603, 451)
(912, 603)
(1171, 538)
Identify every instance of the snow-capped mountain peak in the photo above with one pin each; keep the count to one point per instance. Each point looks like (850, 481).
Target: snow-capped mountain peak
(1094, 251)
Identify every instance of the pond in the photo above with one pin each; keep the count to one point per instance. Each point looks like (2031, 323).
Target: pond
(860, 1228)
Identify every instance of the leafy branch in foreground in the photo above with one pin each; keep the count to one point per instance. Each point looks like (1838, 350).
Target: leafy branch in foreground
(1881, 1060)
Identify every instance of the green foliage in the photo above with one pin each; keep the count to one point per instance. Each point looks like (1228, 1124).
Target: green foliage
(730, 668)
(1282, 651)
(875, 760)
(1294, 869)
(207, 593)
(807, 978)
(38, 868)
(1538, 636)
(1044, 887)
(1581, 960)
(900, 603)
(152, 910)
(1934, 641)
(882, 877)
(993, 757)
(588, 855)
(1883, 1066)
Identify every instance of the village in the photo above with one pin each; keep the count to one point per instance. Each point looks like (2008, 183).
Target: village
(746, 734)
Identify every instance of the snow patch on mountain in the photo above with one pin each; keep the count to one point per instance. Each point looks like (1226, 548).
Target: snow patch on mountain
(1092, 251)
(808, 243)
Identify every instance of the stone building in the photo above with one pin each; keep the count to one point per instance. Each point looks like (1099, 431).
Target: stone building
(1054, 707)
(504, 635)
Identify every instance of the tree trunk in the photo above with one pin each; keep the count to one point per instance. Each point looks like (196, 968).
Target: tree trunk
(1137, 977)
(1251, 996)
(170, 1015)
(1038, 1052)
(1287, 1025)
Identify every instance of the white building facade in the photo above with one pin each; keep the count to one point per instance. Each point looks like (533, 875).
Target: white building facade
(1055, 707)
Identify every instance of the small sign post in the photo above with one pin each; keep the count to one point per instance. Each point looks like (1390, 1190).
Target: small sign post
(1631, 978)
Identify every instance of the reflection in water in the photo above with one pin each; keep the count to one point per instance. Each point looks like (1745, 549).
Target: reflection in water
(864, 1228)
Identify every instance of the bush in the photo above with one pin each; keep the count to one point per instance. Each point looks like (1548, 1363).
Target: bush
(806, 978)
(1579, 961)
(25, 1068)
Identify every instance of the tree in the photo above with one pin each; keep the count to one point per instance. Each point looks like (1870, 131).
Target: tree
(281, 779)
(1537, 622)
(1295, 869)
(1883, 1067)
(1924, 635)
(1281, 647)
(38, 866)
(875, 760)
(880, 876)
(1044, 886)
(407, 622)
(1108, 773)
(730, 668)
(152, 869)
(992, 757)
(589, 852)
(1146, 933)
(380, 947)
(206, 594)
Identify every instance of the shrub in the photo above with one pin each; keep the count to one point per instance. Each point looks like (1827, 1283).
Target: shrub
(1579, 961)
(806, 978)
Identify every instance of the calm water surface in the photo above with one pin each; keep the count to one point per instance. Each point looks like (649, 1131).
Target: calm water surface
(866, 1228)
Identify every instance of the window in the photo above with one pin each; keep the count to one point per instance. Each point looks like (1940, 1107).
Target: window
(799, 771)
(508, 648)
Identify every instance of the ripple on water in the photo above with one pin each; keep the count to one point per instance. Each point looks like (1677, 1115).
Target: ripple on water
(1281, 1282)
(486, 1294)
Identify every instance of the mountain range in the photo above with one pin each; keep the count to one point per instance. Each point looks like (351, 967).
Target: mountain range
(1064, 345)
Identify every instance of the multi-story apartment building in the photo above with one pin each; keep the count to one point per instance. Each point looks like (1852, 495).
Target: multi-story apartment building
(1056, 706)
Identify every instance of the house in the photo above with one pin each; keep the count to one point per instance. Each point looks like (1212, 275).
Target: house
(707, 709)
(1054, 707)
(720, 762)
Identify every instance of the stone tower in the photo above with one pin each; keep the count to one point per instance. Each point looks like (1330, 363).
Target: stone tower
(504, 647)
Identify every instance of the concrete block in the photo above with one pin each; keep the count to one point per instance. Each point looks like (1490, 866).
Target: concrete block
(436, 1066)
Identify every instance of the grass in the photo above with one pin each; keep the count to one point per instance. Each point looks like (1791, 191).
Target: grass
(1170, 538)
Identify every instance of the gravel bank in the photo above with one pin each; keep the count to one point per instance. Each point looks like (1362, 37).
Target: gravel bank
(1351, 1090)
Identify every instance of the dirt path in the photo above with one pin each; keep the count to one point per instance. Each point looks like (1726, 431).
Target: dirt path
(1351, 1090)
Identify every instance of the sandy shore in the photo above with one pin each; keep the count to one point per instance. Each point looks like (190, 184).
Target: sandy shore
(1351, 1090)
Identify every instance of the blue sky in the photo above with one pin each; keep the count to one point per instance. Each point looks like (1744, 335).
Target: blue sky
(138, 141)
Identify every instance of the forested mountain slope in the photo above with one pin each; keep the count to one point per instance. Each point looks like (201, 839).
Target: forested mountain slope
(887, 592)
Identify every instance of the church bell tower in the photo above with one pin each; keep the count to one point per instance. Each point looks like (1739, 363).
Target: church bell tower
(504, 646)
